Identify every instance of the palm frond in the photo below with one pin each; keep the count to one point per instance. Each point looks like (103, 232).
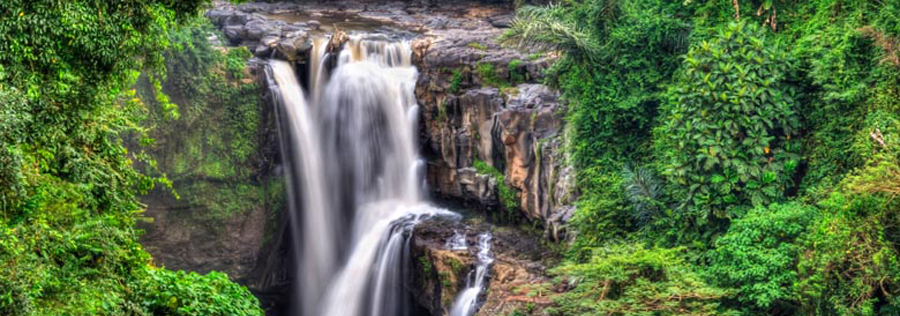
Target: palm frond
(644, 191)
(538, 28)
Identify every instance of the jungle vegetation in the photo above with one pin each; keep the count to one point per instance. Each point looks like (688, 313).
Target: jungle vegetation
(734, 157)
(69, 185)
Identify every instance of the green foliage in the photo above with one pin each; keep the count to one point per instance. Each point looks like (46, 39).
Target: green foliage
(187, 294)
(477, 45)
(456, 81)
(210, 151)
(851, 260)
(728, 127)
(542, 28)
(846, 81)
(758, 255)
(784, 103)
(67, 184)
(509, 198)
(516, 75)
(601, 215)
(615, 100)
(427, 267)
(488, 76)
(631, 280)
(645, 192)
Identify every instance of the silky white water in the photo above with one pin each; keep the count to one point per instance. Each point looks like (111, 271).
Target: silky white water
(316, 254)
(354, 159)
(466, 302)
(457, 242)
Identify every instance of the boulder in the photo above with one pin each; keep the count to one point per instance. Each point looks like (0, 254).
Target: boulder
(234, 33)
(290, 48)
(256, 29)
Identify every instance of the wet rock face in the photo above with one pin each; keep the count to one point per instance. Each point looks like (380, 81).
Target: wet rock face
(246, 243)
(440, 272)
(180, 239)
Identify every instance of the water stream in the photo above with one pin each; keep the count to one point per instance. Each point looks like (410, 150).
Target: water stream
(466, 303)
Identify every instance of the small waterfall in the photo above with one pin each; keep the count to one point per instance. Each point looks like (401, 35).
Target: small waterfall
(467, 301)
(457, 242)
(354, 159)
(318, 68)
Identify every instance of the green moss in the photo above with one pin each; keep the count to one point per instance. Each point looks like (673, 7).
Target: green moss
(455, 264)
(211, 151)
(445, 279)
(477, 45)
(488, 75)
(509, 198)
(456, 81)
(427, 268)
(235, 61)
(516, 75)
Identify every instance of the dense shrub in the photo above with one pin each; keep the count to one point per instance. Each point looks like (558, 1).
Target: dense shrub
(758, 255)
(186, 294)
(631, 280)
(67, 184)
(602, 215)
(851, 261)
(774, 101)
(726, 135)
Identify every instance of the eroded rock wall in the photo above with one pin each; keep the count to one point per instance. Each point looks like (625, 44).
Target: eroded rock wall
(482, 106)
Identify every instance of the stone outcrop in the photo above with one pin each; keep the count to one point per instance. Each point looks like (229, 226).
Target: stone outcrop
(264, 37)
(180, 238)
(480, 104)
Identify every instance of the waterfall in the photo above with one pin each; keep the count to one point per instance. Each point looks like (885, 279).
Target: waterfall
(467, 301)
(315, 234)
(353, 156)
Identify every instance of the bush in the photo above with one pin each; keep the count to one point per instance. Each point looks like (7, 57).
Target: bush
(602, 213)
(726, 136)
(851, 261)
(758, 254)
(179, 293)
(631, 280)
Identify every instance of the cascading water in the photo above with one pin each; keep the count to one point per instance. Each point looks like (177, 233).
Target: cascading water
(354, 159)
(313, 233)
(467, 301)
(457, 242)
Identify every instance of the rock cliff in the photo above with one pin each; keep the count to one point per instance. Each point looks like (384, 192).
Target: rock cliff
(487, 124)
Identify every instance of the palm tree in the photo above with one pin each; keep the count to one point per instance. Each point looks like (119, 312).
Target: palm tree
(542, 28)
